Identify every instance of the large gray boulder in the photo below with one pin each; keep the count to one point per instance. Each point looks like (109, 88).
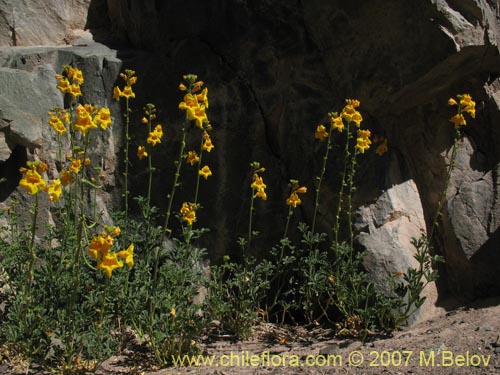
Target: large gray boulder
(28, 23)
(28, 92)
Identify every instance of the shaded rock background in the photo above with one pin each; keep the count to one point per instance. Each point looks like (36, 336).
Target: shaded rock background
(274, 69)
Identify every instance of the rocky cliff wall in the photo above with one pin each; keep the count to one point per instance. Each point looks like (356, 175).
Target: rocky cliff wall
(275, 68)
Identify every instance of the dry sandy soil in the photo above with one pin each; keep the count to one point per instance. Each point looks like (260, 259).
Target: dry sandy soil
(461, 341)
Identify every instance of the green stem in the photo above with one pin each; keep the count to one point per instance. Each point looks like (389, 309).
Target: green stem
(250, 216)
(198, 173)
(350, 190)
(342, 185)
(32, 251)
(166, 231)
(320, 180)
(127, 142)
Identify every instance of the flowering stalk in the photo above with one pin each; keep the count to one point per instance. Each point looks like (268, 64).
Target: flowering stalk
(464, 104)
(32, 252)
(321, 134)
(347, 154)
(178, 164)
(127, 93)
(258, 191)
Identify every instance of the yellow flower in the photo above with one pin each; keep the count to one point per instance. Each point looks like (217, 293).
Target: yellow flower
(452, 101)
(382, 147)
(109, 263)
(258, 183)
(182, 87)
(128, 93)
(331, 279)
(173, 312)
(144, 120)
(117, 93)
(76, 76)
(337, 123)
(155, 136)
(54, 190)
(63, 84)
(207, 143)
(205, 172)
(32, 181)
(192, 158)
(188, 213)
(57, 125)
(353, 102)
(75, 90)
(468, 105)
(458, 120)
(293, 200)
(363, 141)
(103, 118)
(321, 133)
(349, 113)
(158, 129)
(203, 97)
(84, 120)
(66, 177)
(75, 166)
(141, 152)
(261, 194)
(128, 255)
(100, 245)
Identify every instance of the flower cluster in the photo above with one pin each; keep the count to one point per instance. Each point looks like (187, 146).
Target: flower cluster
(465, 105)
(70, 81)
(363, 141)
(107, 260)
(155, 135)
(130, 79)
(59, 120)
(294, 200)
(349, 112)
(258, 186)
(188, 213)
(33, 182)
(195, 102)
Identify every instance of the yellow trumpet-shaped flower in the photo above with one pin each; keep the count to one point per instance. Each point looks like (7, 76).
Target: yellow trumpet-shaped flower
(382, 147)
(321, 133)
(84, 121)
(188, 213)
(141, 152)
(66, 177)
(205, 172)
(294, 199)
(155, 136)
(363, 141)
(128, 255)
(57, 125)
(109, 263)
(103, 118)
(337, 123)
(54, 189)
(32, 181)
(192, 158)
(468, 105)
(458, 120)
(207, 142)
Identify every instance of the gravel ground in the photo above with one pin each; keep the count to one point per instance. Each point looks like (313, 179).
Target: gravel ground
(462, 341)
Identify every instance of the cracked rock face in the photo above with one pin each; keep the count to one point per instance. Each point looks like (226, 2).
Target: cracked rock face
(274, 70)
